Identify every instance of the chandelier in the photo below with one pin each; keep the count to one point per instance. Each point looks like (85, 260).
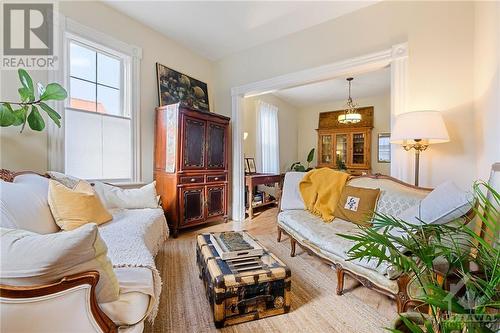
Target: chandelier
(351, 114)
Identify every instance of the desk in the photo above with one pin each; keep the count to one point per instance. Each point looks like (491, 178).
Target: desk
(252, 180)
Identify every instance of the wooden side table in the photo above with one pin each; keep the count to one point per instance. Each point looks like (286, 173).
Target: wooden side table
(253, 180)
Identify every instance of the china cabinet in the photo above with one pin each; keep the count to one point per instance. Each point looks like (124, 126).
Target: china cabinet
(191, 165)
(345, 146)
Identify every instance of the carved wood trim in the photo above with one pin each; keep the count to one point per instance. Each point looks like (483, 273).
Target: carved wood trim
(8, 176)
(86, 278)
(381, 176)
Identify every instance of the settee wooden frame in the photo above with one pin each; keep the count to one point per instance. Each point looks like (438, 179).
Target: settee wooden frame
(403, 300)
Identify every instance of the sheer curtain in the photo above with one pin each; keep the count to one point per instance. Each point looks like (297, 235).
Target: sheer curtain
(268, 158)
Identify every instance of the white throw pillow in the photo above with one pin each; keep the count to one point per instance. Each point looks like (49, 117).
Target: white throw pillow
(291, 197)
(24, 204)
(32, 259)
(135, 198)
(444, 204)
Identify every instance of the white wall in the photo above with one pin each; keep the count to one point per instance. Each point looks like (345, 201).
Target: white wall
(487, 85)
(288, 129)
(309, 117)
(28, 151)
(440, 38)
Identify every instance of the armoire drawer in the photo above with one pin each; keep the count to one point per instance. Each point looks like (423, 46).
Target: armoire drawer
(192, 179)
(216, 178)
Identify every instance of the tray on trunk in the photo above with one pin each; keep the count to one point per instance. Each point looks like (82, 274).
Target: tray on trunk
(232, 245)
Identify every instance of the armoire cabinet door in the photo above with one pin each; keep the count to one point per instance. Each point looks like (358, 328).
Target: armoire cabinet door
(216, 197)
(216, 143)
(192, 204)
(194, 144)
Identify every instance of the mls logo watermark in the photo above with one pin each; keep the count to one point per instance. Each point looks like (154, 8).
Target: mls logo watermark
(28, 36)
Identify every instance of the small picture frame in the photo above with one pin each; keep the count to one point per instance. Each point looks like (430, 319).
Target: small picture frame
(250, 163)
(384, 148)
(247, 170)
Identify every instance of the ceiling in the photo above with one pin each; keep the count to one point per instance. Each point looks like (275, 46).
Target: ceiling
(215, 29)
(363, 85)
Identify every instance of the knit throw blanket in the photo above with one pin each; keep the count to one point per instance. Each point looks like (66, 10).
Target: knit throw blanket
(134, 237)
(321, 190)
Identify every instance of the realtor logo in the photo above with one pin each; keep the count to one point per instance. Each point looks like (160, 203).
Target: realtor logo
(28, 35)
(28, 29)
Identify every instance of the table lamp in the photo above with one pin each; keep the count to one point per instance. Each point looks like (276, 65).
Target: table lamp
(417, 130)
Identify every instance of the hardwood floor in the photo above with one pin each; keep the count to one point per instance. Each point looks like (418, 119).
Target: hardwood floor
(315, 306)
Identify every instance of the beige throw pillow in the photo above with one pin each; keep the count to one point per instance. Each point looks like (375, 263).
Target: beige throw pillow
(30, 259)
(72, 208)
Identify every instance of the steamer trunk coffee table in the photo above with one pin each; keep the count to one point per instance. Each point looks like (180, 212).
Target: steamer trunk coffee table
(242, 289)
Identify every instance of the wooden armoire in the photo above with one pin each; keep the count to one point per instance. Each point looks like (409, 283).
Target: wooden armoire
(191, 165)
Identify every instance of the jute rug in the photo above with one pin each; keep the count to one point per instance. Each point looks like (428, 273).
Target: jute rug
(314, 305)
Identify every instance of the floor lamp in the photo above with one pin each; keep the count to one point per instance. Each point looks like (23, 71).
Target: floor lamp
(417, 130)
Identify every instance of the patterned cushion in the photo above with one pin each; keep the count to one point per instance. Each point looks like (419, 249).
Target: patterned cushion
(394, 198)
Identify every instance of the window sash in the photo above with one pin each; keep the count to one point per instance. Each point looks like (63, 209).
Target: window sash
(104, 51)
(125, 102)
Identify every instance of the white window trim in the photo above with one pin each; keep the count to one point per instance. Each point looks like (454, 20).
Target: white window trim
(69, 28)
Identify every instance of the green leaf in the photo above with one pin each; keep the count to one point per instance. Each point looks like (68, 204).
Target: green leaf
(35, 120)
(7, 116)
(20, 116)
(25, 94)
(310, 156)
(52, 113)
(26, 80)
(54, 91)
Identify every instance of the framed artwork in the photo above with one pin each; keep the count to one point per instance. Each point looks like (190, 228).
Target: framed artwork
(250, 162)
(175, 87)
(384, 148)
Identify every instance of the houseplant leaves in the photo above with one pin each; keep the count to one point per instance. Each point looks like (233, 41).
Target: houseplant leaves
(30, 104)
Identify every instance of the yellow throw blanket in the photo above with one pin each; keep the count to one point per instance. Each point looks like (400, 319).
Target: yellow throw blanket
(321, 189)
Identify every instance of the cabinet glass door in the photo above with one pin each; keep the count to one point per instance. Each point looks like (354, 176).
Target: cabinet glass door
(341, 150)
(358, 148)
(194, 144)
(326, 142)
(216, 141)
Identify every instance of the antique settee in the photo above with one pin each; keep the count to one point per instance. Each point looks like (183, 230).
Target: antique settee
(322, 240)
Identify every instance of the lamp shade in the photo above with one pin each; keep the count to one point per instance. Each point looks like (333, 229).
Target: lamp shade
(427, 126)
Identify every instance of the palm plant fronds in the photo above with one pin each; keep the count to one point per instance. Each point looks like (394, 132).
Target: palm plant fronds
(454, 251)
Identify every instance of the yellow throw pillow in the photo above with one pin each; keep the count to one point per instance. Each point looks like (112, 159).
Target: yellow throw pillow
(357, 205)
(75, 207)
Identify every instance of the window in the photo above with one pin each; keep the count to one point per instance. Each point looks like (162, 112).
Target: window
(268, 157)
(99, 127)
(384, 148)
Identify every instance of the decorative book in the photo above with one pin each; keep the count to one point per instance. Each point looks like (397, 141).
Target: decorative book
(234, 241)
(231, 245)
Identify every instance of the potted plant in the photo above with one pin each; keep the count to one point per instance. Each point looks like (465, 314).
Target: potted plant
(27, 111)
(297, 166)
(437, 255)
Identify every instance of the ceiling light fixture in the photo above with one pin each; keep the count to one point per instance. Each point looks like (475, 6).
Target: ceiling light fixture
(351, 114)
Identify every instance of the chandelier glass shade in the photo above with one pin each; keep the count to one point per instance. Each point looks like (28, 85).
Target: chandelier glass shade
(350, 115)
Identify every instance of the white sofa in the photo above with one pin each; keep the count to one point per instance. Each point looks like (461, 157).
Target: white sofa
(321, 239)
(70, 305)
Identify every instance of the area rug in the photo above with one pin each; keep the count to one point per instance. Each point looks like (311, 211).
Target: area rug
(314, 305)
